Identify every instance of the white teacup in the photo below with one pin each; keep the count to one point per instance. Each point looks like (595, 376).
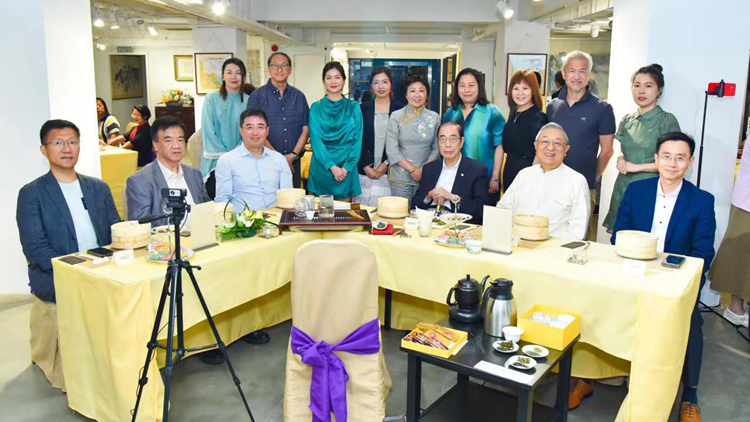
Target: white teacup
(512, 333)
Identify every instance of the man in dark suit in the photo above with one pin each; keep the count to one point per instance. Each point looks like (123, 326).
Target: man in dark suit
(61, 212)
(455, 179)
(682, 217)
(144, 187)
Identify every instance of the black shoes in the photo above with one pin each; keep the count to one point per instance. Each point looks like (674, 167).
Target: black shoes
(257, 337)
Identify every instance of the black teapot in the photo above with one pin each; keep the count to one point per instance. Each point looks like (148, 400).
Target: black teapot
(468, 296)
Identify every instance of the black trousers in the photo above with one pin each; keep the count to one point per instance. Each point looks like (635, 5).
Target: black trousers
(691, 370)
(297, 173)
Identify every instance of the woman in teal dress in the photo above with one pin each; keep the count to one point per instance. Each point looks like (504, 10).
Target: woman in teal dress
(638, 133)
(482, 123)
(220, 119)
(336, 139)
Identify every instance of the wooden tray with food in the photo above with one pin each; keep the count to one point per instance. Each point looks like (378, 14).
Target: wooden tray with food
(343, 220)
(434, 340)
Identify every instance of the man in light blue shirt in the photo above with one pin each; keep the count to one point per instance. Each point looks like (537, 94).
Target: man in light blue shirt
(252, 172)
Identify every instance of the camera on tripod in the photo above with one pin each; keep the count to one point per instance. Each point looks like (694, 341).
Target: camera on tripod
(174, 198)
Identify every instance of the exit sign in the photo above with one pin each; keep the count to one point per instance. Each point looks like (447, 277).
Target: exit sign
(124, 49)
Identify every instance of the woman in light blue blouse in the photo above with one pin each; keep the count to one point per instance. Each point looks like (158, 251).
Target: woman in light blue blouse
(220, 121)
(482, 123)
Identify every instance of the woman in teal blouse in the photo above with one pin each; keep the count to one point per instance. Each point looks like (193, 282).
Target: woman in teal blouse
(336, 139)
(482, 123)
(220, 119)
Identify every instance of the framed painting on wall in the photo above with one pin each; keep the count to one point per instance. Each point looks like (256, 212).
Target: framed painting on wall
(531, 61)
(208, 71)
(126, 76)
(183, 68)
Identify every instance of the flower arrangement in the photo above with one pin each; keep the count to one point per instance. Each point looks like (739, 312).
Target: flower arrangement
(241, 225)
(176, 96)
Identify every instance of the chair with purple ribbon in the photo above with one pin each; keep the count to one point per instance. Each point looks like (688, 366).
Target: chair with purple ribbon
(335, 365)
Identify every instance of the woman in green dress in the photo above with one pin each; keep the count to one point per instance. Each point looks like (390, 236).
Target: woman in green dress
(638, 133)
(336, 139)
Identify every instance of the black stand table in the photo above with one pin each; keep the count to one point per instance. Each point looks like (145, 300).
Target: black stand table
(469, 401)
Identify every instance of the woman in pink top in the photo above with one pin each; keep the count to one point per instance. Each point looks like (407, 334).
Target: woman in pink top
(730, 271)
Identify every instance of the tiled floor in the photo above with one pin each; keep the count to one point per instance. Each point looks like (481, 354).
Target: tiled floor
(202, 393)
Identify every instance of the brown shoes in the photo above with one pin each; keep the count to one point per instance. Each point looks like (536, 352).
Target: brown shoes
(689, 412)
(580, 390)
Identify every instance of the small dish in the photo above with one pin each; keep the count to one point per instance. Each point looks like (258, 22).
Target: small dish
(498, 346)
(535, 351)
(163, 229)
(455, 218)
(521, 362)
(379, 225)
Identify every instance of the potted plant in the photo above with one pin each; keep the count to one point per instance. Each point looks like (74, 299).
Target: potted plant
(176, 98)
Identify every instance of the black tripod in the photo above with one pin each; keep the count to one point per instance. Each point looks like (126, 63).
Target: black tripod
(173, 288)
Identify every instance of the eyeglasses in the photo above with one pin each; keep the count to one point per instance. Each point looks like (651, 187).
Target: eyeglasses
(279, 66)
(452, 140)
(557, 143)
(680, 159)
(59, 144)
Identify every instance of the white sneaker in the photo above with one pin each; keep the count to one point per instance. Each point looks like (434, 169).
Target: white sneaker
(736, 319)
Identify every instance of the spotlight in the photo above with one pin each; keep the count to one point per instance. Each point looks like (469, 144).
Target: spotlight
(101, 46)
(594, 31)
(98, 22)
(152, 30)
(504, 9)
(130, 22)
(113, 18)
(218, 7)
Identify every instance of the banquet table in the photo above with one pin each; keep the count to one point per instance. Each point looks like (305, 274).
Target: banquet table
(117, 165)
(105, 314)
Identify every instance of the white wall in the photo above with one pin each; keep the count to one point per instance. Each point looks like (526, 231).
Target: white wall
(702, 51)
(307, 63)
(159, 75)
(62, 87)
(517, 37)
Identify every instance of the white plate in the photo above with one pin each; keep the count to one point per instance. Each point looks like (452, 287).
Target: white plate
(165, 229)
(187, 253)
(455, 218)
(513, 359)
(444, 224)
(443, 242)
(379, 225)
(496, 346)
(529, 351)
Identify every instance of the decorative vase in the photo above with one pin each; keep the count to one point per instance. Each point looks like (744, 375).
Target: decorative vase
(247, 233)
(173, 104)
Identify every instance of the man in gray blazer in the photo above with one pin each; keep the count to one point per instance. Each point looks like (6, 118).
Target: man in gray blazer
(144, 187)
(61, 212)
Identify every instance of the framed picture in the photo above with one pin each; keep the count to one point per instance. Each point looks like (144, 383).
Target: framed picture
(126, 76)
(183, 68)
(208, 71)
(531, 61)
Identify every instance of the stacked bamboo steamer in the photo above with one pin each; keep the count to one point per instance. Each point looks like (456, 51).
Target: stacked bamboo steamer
(287, 198)
(130, 235)
(635, 244)
(531, 227)
(393, 207)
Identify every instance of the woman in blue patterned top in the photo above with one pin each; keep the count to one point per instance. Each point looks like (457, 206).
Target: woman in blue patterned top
(482, 123)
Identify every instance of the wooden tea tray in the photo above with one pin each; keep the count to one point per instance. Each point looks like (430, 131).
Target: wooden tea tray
(341, 221)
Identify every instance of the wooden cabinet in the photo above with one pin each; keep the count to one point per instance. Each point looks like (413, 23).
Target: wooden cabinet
(185, 114)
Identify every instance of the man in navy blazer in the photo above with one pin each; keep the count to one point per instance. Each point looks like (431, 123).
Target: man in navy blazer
(61, 212)
(455, 178)
(144, 187)
(682, 217)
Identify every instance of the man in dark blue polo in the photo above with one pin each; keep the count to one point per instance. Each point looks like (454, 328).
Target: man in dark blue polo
(588, 121)
(287, 111)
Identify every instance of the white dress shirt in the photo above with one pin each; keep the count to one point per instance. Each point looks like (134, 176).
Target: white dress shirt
(663, 213)
(446, 179)
(562, 195)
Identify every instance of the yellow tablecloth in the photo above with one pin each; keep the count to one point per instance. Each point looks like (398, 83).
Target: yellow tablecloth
(117, 165)
(106, 314)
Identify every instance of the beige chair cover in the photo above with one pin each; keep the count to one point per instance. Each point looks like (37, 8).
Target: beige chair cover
(194, 153)
(334, 292)
(45, 344)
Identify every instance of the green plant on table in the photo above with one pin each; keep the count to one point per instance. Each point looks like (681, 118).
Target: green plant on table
(245, 223)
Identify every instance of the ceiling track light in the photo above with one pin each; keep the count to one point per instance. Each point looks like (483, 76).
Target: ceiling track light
(594, 31)
(219, 7)
(504, 9)
(152, 30)
(113, 18)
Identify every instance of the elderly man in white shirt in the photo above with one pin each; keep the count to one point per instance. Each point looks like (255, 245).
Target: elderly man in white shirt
(551, 188)
(144, 187)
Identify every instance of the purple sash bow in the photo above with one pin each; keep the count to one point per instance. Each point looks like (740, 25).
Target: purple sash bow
(329, 377)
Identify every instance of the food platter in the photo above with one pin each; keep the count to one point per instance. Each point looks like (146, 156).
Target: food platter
(521, 362)
(535, 351)
(454, 218)
(502, 346)
(163, 254)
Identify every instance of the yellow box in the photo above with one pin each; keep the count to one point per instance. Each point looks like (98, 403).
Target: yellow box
(462, 337)
(547, 335)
